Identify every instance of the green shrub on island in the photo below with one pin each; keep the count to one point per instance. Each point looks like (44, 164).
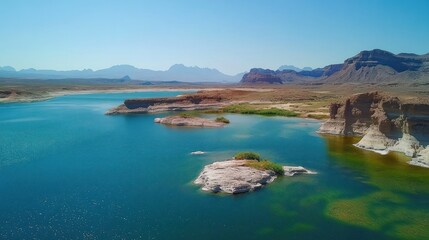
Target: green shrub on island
(256, 162)
(266, 165)
(248, 109)
(222, 120)
(247, 156)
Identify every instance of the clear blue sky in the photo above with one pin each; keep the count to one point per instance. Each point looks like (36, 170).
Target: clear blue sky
(232, 36)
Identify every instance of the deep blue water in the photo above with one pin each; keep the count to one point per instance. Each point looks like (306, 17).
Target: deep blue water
(67, 171)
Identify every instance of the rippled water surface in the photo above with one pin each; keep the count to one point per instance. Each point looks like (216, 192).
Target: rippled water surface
(67, 171)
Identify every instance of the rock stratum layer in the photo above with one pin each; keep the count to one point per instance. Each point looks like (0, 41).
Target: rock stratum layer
(181, 121)
(202, 100)
(233, 176)
(385, 124)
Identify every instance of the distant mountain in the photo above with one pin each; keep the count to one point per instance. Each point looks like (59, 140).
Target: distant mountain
(382, 66)
(375, 66)
(296, 69)
(178, 72)
(7, 69)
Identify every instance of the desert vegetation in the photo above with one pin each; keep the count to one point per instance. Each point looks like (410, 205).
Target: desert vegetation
(255, 161)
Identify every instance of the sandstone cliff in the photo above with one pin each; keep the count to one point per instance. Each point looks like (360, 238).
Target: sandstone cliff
(385, 124)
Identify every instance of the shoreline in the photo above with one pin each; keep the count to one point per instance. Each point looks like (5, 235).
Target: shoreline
(61, 93)
(55, 94)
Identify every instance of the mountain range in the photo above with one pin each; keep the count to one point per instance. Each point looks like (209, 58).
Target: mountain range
(177, 72)
(375, 66)
(292, 67)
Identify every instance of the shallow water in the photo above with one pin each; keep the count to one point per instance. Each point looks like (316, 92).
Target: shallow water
(67, 171)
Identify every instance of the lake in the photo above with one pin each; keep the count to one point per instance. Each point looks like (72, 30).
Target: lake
(67, 171)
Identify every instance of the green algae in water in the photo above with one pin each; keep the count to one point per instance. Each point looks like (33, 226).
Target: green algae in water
(382, 211)
(396, 206)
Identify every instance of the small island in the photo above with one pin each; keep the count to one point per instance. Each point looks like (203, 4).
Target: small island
(244, 173)
(185, 120)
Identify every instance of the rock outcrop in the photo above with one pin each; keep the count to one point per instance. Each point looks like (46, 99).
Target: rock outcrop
(385, 123)
(233, 176)
(189, 122)
(180, 103)
(422, 158)
(292, 171)
(202, 100)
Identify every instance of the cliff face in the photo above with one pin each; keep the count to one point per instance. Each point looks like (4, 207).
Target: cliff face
(384, 123)
(198, 101)
(373, 66)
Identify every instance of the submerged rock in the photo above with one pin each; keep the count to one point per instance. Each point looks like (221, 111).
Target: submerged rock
(292, 171)
(198, 153)
(189, 121)
(233, 176)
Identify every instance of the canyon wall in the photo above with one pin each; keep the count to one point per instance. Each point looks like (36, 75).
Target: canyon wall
(385, 124)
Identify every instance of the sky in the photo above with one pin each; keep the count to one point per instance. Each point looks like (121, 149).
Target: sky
(229, 35)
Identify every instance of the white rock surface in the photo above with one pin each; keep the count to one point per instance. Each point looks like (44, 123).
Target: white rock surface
(375, 140)
(198, 153)
(233, 176)
(292, 171)
(189, 121)
(408, 145)
(422, 158)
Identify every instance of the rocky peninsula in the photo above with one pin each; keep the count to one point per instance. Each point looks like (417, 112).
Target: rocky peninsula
(185, 121)
(385, 124)
(203, 100)
(241, 175)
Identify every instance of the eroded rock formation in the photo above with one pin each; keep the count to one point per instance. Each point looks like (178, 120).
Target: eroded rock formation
(385, 123)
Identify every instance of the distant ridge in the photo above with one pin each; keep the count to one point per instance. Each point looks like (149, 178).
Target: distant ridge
(177, 72)
(296, 69)
(375, 66)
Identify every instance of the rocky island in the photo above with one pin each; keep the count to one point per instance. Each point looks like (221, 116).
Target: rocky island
(190, 121)
(245, 173)
(385, 124)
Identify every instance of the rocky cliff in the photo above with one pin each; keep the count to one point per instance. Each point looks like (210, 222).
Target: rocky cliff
(385, 124)
(375, 66)
(199, 101)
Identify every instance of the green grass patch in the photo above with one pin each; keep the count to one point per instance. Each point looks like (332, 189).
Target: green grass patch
(266, 165)
(249, 109)
(247, 156)
(222, 119)
(318, 116)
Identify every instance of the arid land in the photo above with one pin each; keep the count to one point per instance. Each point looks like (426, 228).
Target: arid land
(306, 100)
